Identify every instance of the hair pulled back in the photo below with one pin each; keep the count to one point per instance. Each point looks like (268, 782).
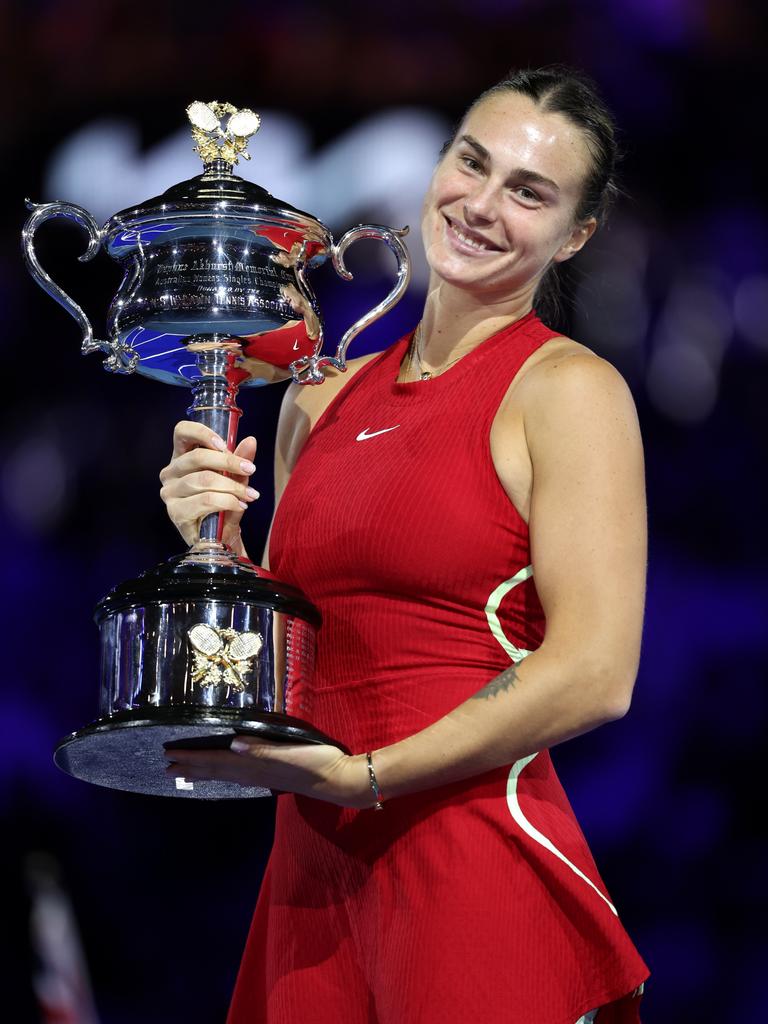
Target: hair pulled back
(559, 89)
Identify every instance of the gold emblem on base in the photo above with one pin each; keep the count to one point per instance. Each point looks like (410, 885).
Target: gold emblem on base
(222, 657)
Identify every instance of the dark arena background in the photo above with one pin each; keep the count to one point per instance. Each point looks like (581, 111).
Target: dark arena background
(356, 100)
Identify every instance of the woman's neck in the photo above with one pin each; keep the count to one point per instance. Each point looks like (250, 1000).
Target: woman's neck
(454, 323)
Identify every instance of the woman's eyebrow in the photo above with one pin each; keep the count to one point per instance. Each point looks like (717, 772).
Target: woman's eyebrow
(520, 174)
(479, 149)
(533, 178)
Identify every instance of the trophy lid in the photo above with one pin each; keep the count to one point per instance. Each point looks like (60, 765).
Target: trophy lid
(220, 148)
(216, 184)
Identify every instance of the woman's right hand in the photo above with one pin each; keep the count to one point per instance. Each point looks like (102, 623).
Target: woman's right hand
(194, 482)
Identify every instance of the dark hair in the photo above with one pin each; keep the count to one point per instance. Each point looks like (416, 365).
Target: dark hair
(559, 89)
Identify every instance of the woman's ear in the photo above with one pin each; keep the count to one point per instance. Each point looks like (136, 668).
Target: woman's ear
(578, 238)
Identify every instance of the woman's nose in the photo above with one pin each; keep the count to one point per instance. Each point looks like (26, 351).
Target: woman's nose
(479, 209)
(480, 205)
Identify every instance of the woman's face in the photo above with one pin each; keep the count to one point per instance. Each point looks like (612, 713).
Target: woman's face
(501, 204)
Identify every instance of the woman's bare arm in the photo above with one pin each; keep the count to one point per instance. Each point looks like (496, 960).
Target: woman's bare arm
(588, 543)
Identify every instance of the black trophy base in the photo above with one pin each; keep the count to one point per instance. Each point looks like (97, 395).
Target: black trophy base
(127, 750)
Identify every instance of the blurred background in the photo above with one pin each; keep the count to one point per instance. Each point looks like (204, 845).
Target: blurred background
(356, 100)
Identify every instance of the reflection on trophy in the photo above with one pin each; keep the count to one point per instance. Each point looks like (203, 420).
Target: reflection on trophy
(214, 296)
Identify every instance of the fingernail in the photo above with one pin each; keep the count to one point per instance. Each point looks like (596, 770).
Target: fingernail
(251, 493)
(242, 504)
(217, 442)
(247, 467)
(239, 746)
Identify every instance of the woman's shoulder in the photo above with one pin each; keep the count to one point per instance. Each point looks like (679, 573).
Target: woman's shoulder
(562, 375)
(567, 380)
(562, 363)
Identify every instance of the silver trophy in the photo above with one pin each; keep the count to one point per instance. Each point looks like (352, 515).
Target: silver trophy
(214, 297)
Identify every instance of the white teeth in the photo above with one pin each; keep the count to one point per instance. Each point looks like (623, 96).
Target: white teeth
(468, 241)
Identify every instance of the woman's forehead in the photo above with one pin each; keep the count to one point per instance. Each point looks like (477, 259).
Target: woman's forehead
(515, 129)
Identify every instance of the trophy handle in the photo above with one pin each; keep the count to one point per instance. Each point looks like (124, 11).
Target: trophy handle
(42, 212)
(309, 369)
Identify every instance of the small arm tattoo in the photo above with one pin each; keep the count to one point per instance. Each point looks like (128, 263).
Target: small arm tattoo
(505, 681)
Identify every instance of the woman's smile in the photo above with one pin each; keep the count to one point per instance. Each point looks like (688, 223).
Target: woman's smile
(467, 240)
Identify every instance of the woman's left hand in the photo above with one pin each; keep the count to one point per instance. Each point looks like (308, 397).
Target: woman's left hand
(319, 770)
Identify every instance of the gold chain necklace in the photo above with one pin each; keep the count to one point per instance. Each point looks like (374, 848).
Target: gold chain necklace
(414, 351)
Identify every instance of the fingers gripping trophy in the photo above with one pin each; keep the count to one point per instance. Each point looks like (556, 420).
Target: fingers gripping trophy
(215, 297)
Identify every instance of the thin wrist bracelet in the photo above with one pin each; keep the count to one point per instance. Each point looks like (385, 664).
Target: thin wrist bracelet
(379, 806)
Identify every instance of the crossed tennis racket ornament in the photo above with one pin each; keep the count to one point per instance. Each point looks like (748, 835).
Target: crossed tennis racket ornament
(222, 657)
(215, 297)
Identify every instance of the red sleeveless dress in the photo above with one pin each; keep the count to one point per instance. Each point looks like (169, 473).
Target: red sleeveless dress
(479, 900)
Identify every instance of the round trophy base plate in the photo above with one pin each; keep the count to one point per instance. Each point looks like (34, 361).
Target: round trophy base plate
(126, 751)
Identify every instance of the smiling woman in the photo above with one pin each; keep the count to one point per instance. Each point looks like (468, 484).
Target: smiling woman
(480, 487)
(507, 190)
(567, 159)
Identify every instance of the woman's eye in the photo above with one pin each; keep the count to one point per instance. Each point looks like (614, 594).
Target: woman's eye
(528, 194)
(471, 162)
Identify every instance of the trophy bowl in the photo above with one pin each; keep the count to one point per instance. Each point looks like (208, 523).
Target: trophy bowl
(215, 296)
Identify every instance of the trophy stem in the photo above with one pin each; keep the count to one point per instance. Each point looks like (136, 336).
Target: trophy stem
(217, 169)
(214, 402)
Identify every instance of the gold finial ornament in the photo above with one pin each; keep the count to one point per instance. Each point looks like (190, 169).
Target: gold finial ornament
(212, 141)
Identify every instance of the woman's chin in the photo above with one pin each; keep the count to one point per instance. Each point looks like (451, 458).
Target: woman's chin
(462, 279)
(459, 272)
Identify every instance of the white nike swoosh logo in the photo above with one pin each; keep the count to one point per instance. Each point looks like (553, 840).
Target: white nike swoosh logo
(365, 436)
(295, 346)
